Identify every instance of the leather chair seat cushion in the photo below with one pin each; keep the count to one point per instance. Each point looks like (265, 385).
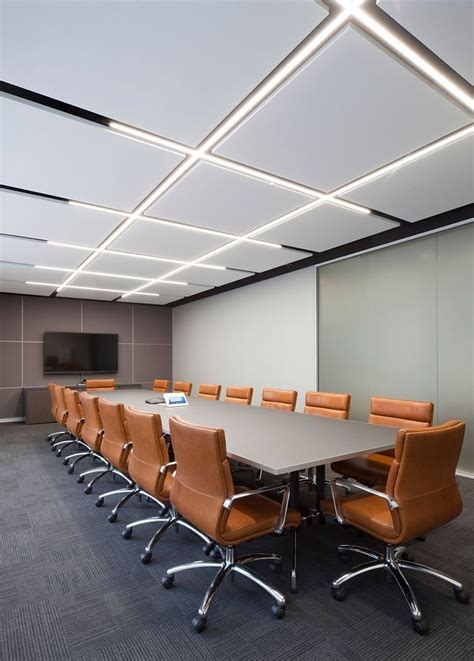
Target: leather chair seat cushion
(371, 469)
(255, 516)
(369, 513)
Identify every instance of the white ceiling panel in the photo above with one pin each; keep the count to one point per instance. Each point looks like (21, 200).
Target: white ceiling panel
(176, 68)
(199, 276)
(140, 268)
(106, 282)
(67, 292)
(326, 227)
(23, 273)
(159, 240)
(444, 26)
(16, 287)
(40, 218)
(441, 181)
(168, 289)
(215, 198)
(252, 257)
(39, 252)
(351, 110)
(50, 153)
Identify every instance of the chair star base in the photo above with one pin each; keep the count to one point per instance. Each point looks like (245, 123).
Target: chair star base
(392, 562)
(228, 565)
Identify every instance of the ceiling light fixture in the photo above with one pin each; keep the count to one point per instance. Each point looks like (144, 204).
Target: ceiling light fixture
(406, 160)
(103, 289)
(102, 273)
(390, 39)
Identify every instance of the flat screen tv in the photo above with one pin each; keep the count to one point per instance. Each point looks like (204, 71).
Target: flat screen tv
(80, 353)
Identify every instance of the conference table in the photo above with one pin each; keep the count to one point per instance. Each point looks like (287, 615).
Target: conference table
(278, 442)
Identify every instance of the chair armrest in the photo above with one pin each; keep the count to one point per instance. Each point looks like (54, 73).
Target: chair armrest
(280, 524)
(169, 466)
(128, 445)
(345, 484)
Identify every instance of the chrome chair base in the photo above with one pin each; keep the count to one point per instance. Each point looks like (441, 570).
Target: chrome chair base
(226, 566)
(392, 562)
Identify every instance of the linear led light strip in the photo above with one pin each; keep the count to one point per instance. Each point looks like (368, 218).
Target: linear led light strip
(101, 289)
(226, 164)
(253, 100)
(107, 275)
(394, 42)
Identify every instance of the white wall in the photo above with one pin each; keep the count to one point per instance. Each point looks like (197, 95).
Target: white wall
(260, 335)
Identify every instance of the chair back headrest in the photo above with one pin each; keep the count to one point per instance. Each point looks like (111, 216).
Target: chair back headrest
(54, 399)
(73, 403)
(161, 385)
(273, 398)
(239, 395)
(114, 422)
(183, 386)
(90, 409)
(328, 404)
(402, 413)
(100, 384)
(209, 391)
(146, 433)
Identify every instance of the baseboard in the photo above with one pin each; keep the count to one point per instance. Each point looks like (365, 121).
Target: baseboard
(12, 420)
(464, 474)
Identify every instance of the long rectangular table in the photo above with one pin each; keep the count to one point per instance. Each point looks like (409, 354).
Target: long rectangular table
(277, 442)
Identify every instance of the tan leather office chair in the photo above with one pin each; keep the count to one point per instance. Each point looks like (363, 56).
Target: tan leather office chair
(421, 495)
(284, 400)
(203, 492)
(239, 395)
(373, 469)
(75, 423)
(115, 448)
(149, 467)
(100, 384)
(183, 386)
(91, 433)
(61, 417)
(327, 404)
(209, 391)
(161, 385)
(57, 415)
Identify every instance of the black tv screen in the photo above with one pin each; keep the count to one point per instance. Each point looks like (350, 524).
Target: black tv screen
(80, 353)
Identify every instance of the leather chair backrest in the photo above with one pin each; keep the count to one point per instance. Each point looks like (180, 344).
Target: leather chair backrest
(53, 400)
(75, 417)
(209, 391)
(239, 395)
(183, 386)
(161, 385)
(91, 431)
(402, 413)
(115, 431)
(149, 452)
(279, 399)
(328, 404)
(203, 477)
(100, 384)
(422, 478)
(62, 406)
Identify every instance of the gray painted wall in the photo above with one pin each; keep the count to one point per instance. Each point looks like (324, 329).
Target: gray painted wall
(399, 322)
(260, 335)
(144, 340)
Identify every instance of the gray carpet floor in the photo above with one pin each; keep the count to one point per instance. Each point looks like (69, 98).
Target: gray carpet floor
(72, 588)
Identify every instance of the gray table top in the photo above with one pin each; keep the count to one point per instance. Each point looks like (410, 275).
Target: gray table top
(278, 442)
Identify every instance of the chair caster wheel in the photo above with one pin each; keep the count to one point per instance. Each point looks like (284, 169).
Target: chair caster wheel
(167, 582)
(278, 611)
(58, 453)
(199, 624)
(215, 554)
(339, 594)
(112, 517)
(462, 596)
(421, 627)
(406, 555)
(80, 479)
(208, 548)
(70, 470)
(88, 489)
(275, 567)
(52, 448)
(145, 557)
(65, 461)
(127, 533)
(344, 556)
(99, 502)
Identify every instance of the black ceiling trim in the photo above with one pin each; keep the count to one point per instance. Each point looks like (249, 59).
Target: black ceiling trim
(33, 193)
(405, 231)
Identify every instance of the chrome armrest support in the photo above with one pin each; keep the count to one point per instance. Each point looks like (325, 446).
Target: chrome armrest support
(345, 484)
(281, 488)
(128, 445)
(169, 466)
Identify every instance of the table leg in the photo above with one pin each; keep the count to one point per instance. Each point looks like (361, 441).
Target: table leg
(320, 490)
(295, 490)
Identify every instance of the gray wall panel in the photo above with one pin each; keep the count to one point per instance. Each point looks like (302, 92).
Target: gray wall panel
(104, 317)
(10, 364)
(152, 362)
(152, 324)
(11, 403)
(344, 331)
(10, 317)
(456, 333)
(41, 314)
